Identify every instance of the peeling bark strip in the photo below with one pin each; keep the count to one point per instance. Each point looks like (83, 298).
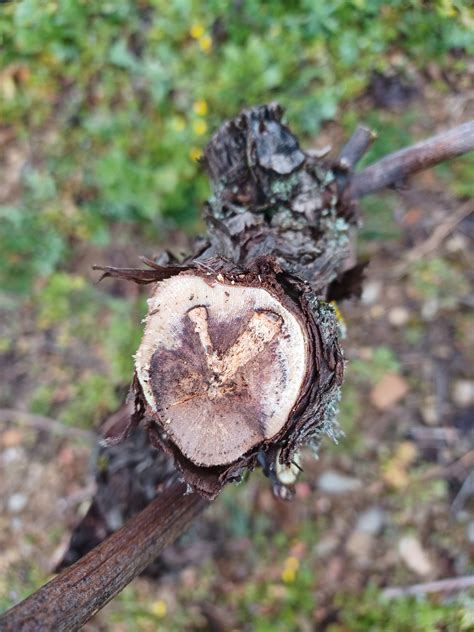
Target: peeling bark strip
(240, 363)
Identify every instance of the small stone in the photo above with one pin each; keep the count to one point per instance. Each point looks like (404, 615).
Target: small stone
(114, 519)
(365, 353)
(457, 243)
(470, 532)
(303, 490)
(430, 309)
(414, 556)
(326, 545)
(398, 316)
(12, 454)
(189, 577)
(371, 292)
(66, 457)
(463, 393)
(16, 503)
(429, 412)
(17, 525)
(11, 438)
(359, 545)
(376, 311)
(332, 482)
(390, 390)
(370, 521)
(443, 352)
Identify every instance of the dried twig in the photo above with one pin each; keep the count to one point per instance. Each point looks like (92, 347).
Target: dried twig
(434, 240)
(351, 153)
(456, 469)
(69, 600)
(404, 163)
(40, 422)
(443, 585)
(355, 148)
(466, 492)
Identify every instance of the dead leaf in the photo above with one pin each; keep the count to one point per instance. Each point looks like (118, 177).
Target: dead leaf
(412, 217)
(11, 438)
(390, 390)
(414, 556)
(395, 472)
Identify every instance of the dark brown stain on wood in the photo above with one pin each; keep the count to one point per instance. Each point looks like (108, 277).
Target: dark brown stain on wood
(208, 402)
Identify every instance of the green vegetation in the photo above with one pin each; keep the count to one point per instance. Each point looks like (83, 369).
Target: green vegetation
(73, 314)
(437, 280)
(373, 612)
(112, 103)
(382, 360)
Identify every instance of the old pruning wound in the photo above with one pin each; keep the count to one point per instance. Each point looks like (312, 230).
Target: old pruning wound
(220, 366)
(240, 363)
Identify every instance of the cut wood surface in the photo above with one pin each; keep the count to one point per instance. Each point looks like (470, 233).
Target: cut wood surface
(221, 364)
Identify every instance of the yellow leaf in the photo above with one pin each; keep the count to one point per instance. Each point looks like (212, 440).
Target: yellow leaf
(8, 87)
(395, 475)
(288, 575)
(292, 562)
(406, 452)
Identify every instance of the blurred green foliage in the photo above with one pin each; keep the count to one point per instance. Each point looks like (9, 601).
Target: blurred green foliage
(462, 184)
(382, 360)
(373, 612)
(113, 102)
(435, 279)
(74, 315)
